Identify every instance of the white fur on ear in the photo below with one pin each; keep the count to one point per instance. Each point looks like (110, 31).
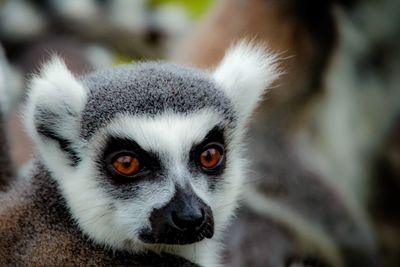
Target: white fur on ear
(55, 101)
(245, 73)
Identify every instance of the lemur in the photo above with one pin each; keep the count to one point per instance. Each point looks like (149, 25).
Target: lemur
(139, 165)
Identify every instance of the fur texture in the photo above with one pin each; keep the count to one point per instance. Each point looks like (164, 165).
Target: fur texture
(257, 69)
(5, 162)
(36, 229)
(166, 110)
(6, 170)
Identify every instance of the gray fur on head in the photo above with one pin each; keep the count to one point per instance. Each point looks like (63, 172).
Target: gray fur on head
(149, 89)
(168, 112)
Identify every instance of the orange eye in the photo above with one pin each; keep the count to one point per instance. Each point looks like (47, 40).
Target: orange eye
(210, 158)
(126, 165)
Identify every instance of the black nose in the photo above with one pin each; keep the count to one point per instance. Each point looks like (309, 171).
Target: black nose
(186, 219)
(189, 219)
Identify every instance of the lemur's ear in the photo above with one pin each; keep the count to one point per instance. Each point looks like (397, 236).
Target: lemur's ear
(244, 74)
(52, 114)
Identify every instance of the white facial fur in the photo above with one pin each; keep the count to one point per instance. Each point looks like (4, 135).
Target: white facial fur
(244, 74)
(172, 137)
(55, 90)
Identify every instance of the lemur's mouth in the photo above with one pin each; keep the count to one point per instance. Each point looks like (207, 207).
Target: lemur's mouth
(186, 219)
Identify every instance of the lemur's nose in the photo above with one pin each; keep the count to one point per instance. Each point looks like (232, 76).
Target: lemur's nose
(188, 214)
(185, 219)
(189, 219)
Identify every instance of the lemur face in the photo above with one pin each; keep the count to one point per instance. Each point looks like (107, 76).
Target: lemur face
(159, 148)
(149, 154)
(166, 172)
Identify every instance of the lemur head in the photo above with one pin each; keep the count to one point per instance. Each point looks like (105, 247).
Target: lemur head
(150, 153)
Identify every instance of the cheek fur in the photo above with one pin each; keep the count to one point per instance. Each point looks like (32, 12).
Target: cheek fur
(132, 215)
(225, 198)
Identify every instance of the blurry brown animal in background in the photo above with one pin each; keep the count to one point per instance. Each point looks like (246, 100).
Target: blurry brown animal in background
(293, 215)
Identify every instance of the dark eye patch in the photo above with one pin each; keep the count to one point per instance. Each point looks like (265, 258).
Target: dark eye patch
(216, 134)
(150, 163)
(214, 138)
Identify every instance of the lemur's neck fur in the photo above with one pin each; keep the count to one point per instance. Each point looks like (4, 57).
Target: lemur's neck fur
(35, 225)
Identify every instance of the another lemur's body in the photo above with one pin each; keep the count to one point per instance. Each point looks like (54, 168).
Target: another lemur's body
(132, 162)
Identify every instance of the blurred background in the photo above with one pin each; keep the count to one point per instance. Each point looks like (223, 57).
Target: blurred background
(324, 187)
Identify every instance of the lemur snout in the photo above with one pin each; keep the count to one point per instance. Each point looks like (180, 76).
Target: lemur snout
(186, 219)
(189, 219)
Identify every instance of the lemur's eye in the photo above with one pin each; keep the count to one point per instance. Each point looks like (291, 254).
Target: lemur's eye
(126, 165)
(211, 157)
